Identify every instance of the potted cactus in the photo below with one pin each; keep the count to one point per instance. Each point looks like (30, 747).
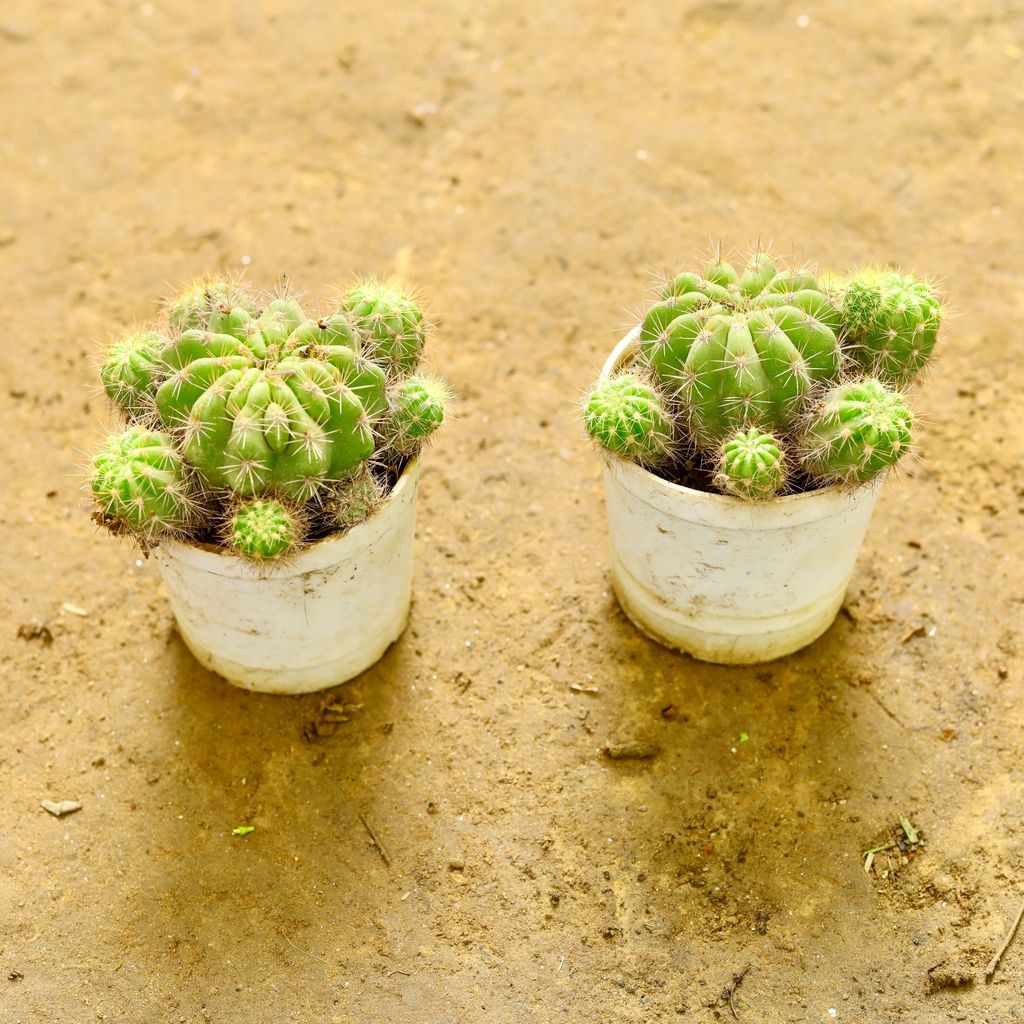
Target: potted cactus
(269, 461)
(746, 423)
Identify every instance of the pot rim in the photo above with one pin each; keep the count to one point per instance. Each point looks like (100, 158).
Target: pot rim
(725, 509)
(211, 558)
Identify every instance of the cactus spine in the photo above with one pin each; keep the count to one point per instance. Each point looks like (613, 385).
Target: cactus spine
(627, 416)
(265, 410)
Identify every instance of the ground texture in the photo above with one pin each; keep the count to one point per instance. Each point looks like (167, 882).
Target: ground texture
(528, 165)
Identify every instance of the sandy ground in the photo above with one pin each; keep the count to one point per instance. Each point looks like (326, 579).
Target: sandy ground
(527, 165)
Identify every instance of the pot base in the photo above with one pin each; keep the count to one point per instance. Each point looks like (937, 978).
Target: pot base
(302, 680)
(748, 642)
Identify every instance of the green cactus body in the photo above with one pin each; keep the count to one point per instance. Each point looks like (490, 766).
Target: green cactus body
(390, 323)
(891, 323)
(752, 465)
(139, 483)
(194, 306)
(130, 372)
(263, 529)
(355, 500)
(417, 408)
(740, 350)
(257, 415)
(856, 431)
(334, 340)
(627, 416)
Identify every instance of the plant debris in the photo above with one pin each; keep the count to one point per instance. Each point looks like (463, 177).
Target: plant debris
(243, 830)
(631, 750)
(58, 808)
(35, 631)
(328, 718)
(376, 842)
(727, 994)
(949, 974)
(906, 839)
(994, 962)
(909, 831)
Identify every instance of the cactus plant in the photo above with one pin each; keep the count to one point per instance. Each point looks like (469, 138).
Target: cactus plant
(892, 322)
(195, 304)
(130, 371)
(417, 409)
(752, 465)
(263, 529)
(773, 378)
(740, 350)
(264, 409)
(391, 323)
(855, 431)
(354, 500)
(627, 416)
(140, 484)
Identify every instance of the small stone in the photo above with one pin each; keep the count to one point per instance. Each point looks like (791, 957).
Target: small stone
(58, 808)
(456, 865)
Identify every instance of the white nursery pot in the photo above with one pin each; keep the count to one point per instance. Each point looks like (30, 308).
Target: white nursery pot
(317, 620)
(726, 580)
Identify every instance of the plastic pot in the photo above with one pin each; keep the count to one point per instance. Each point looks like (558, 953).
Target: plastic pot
(315, 621)
(726, 580)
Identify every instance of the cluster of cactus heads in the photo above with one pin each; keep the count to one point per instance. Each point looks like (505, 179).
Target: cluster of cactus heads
(256, 425)
(771, 379)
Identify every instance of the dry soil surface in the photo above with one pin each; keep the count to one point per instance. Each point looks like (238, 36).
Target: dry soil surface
(528, 165)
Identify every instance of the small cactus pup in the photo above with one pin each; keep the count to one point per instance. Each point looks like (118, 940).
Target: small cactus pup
(752, 465)
(417, 409)
(741, 348)
(194, 305)
(891, 323)
(354, 500)
(130, 372)
(390, 323)
(627, 416)
(263, 529)
(855, 432)
(141, 485)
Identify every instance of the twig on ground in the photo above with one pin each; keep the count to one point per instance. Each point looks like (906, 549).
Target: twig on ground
(725, 999)
(994, 962)
(376, 842)
(633, 750)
